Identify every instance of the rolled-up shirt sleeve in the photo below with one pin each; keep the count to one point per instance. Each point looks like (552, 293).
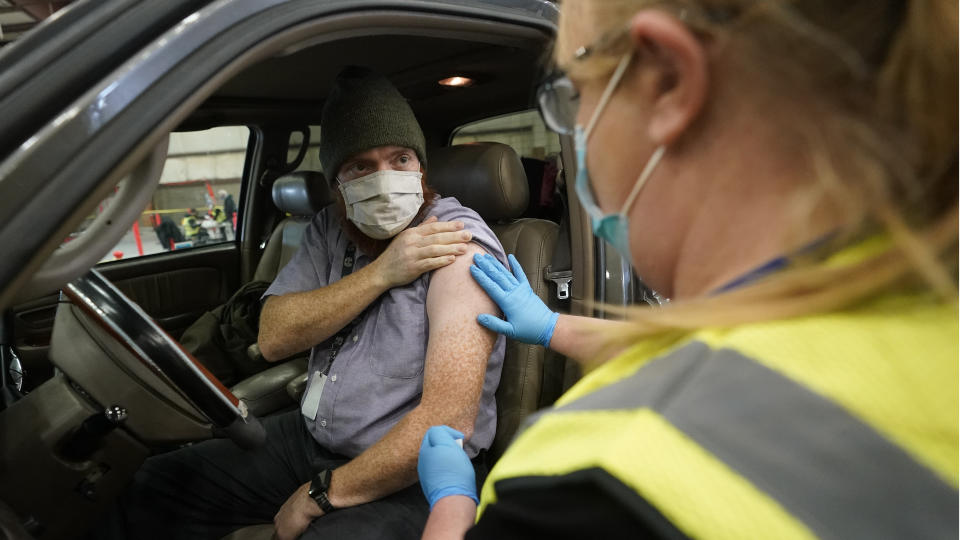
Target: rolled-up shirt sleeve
(449, 209)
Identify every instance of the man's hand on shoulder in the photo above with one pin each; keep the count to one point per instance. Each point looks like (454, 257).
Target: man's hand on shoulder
(432, 244)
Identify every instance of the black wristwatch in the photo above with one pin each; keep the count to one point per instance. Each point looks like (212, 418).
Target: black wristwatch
(318, 490)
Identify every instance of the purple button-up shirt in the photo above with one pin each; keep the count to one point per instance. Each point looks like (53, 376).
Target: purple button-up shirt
(377, 377)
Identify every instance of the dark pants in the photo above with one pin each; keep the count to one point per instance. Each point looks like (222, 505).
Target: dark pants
(207, 490)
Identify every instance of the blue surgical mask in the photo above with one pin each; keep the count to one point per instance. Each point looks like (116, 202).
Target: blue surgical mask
(613, 228)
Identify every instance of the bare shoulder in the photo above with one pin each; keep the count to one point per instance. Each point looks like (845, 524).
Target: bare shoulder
(459, 269)
(452, 288)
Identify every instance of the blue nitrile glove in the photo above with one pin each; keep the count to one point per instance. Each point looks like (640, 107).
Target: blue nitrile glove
(444, 467)
(528, 319)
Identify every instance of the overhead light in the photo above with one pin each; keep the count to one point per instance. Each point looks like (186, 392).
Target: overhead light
(457, 81)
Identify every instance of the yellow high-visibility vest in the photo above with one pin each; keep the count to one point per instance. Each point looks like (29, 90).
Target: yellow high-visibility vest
(835, 425)
(191, 226)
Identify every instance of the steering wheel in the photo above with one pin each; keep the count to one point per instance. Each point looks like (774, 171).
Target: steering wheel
(139, 334)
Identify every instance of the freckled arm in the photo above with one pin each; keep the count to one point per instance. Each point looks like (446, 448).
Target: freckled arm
(457, 353)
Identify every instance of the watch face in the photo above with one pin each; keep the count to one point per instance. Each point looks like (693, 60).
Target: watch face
(321, 481)
(316, 486)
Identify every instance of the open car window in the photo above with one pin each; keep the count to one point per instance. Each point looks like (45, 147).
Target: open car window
(197, 201)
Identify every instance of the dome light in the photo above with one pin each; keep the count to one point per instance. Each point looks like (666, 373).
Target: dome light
(457, 81)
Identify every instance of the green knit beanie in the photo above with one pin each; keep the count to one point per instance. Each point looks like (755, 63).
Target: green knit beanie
(363, 111)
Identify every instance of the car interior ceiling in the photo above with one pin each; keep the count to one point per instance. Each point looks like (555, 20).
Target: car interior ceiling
(291, 88)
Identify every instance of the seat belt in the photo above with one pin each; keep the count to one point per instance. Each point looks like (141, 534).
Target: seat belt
(560, 269)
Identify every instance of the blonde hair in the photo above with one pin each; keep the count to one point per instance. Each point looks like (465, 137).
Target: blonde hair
(879, 131)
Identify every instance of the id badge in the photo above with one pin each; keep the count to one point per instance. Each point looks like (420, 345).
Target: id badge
(311, 402)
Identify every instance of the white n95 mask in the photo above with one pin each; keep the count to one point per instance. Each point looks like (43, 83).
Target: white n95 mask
(383, 203)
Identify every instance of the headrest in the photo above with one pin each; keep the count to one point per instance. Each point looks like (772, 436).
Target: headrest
(487, 177)
(301, 193)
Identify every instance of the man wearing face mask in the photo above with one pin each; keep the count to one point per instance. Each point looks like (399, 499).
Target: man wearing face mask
(360, 294)
(381, 295)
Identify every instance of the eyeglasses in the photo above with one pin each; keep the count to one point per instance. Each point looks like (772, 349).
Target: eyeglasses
(558, 98)
(558, 101)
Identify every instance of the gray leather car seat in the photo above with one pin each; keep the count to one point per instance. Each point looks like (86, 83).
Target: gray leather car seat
(300, 195)
(489, 178)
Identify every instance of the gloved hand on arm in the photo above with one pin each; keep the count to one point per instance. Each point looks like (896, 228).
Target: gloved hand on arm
(444, 467)
(528, 319)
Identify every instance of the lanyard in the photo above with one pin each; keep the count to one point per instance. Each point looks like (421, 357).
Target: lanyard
(338, 339)
(775, 264)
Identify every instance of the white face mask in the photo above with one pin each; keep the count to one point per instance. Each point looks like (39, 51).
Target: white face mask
(383, 203)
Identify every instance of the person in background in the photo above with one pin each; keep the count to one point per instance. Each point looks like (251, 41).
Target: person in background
(217, 214)
(192, 231)
(786, 174)
(229, 208)
(167, 232)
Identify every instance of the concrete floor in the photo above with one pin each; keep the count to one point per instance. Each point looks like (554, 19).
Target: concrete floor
(128, 245)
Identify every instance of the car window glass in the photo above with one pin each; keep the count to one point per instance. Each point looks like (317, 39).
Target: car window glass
(524, 131)
(311, 160)
(197, 201)
(293, 145)
(539, 151)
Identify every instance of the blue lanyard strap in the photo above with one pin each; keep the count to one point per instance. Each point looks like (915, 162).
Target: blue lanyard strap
(337, 340)
(776, 264)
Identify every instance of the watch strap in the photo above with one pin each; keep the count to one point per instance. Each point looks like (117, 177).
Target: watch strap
(318, 490)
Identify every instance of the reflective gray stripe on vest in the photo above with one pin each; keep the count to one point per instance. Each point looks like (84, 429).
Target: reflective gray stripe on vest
(828, 469)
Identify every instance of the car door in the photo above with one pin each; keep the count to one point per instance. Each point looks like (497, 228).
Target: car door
(54, 64)
(173, 278)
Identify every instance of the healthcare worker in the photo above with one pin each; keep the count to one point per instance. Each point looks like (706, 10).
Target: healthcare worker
(786, 173)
